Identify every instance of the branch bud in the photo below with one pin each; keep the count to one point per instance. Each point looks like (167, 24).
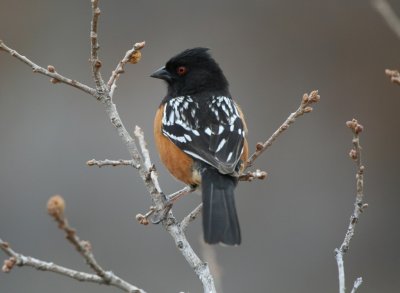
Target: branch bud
(305, 99)
(135, 57)
(56, 206)
(359, 128)
(308, 109)
(259, 146)
(142, 219)
(97, 64)
(314, 97)
(9, 264)
(54, 80)
(86, 245)
(51, 68)
(353, 154)
(354, 126)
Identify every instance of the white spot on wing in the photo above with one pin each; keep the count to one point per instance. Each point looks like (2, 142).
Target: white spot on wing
(188, 138)
(171, 118)
(220, 129)
(174, 137)
(221, 144)
(208, 131)
(229, 156)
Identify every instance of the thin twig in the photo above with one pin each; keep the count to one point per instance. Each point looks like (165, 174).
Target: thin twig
(55, 208)
(133, 56)
(191, 217)
(359, 206)
(386, 11)
(94, 47)
(305, 107)
(22, 260)
(50, 71)
(113, 163)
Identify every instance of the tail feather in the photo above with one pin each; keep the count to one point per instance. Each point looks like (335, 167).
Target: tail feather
(220, 221)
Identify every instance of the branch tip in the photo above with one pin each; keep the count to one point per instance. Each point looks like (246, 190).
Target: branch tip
(306, 101)
(140, 45)
(355, 126)
(56, 207)
(394, 75)
(142, 219)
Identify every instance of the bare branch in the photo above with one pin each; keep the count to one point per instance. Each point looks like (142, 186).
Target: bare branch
(359, 206)
(132, 56)
(386, 11)
(50, 71)
(200, 268)
(22, 260)
(113, 163)
(55, 208)
(149, 169)
(305, 107)
(169, 222)
(394, 75)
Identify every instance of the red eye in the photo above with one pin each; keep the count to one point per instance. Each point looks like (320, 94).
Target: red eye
(181, 70)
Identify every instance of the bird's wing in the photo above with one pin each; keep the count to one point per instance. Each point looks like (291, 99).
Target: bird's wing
(213, 133)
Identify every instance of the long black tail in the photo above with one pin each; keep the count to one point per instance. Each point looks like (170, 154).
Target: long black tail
(220, 221)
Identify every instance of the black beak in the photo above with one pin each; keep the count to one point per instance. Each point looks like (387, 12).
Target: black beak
(162, 73)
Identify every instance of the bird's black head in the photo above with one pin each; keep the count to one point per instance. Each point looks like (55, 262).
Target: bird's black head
(193, 72)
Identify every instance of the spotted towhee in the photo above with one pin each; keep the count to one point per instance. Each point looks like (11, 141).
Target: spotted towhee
(200, 135)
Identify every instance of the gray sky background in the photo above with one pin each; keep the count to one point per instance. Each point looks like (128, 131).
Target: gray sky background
(271, 52)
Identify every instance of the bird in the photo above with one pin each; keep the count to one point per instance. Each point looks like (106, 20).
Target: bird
(200, 134)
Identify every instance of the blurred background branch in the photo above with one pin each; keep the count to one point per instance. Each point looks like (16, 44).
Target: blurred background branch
(388, 14)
